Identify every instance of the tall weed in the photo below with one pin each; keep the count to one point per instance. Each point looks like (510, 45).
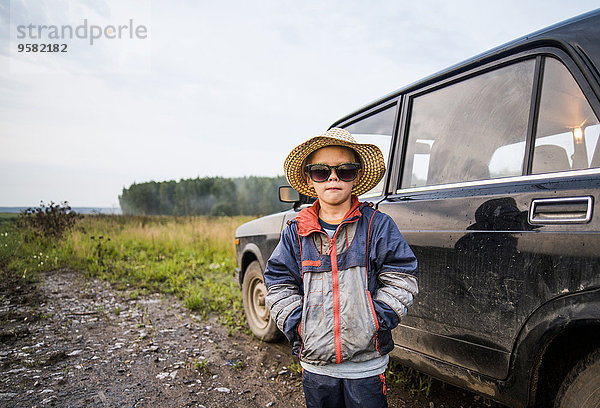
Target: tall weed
(50, 220)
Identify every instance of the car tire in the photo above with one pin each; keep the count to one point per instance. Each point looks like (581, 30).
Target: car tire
(254, 292)
(581, 387)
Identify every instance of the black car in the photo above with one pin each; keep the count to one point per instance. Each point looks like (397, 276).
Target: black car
(493, 179)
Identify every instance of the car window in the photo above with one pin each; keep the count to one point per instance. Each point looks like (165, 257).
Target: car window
(567, 129)
(455, 132)
(376, 129)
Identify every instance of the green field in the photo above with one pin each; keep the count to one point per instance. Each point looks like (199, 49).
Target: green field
(190, 257)
(7, 217)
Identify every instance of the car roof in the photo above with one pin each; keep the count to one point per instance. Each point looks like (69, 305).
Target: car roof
(578, 36)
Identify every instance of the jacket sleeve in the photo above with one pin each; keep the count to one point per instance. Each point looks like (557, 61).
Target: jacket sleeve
(395, 266)
(284, 284)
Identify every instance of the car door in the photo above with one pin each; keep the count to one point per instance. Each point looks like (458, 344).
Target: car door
(497, 193)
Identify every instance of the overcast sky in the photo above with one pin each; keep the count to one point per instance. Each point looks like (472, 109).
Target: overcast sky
(212, 88)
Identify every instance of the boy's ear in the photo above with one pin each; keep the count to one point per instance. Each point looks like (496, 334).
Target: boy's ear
(308, 179)
(357, 179)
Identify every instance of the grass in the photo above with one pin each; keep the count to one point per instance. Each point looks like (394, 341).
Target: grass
(190, 257)
(7, 217)
(201, 366)
(408, 379)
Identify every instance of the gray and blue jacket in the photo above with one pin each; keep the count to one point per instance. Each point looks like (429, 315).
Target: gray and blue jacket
(337, 299)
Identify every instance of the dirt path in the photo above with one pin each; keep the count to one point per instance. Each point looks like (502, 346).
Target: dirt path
(75, 342)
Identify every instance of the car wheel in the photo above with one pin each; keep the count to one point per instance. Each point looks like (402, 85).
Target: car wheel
(254, 293)
(581, 388)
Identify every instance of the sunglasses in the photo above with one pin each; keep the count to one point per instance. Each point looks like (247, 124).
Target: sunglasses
(320, 172)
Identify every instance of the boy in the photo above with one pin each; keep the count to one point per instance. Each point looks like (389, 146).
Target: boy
(341, 276)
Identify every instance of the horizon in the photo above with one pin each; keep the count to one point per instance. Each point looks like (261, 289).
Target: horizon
(80, 210)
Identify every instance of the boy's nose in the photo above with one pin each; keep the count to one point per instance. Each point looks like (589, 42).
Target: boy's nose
(333, 176)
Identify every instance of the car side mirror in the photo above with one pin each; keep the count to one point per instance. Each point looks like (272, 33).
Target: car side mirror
(288, 195)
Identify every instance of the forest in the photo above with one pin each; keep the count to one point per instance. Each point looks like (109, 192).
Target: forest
(214, 196)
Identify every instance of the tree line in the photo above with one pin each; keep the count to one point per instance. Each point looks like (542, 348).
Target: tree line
(205, 196)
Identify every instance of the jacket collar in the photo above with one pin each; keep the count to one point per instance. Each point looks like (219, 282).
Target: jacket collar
(308, 218)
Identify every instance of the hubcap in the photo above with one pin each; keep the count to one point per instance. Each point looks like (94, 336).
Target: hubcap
(259, 291)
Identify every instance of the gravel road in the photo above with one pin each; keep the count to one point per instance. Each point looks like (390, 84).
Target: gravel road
(75, 342)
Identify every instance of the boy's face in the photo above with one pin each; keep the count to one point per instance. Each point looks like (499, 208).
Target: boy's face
(333, 191)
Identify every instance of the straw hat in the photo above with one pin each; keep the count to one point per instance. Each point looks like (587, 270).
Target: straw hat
(371, 159)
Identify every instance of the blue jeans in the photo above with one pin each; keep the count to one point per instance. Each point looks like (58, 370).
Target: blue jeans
(322, 391)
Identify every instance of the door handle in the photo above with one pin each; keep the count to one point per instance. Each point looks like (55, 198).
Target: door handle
(564, 210)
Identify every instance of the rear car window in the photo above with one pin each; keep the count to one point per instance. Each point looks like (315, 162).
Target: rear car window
(567, 130)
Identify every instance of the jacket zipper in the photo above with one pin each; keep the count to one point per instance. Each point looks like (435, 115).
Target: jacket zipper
(332, 252)
(336, 300)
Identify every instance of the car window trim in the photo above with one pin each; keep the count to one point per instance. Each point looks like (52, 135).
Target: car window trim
(501, 180)
(534, 110)
(393, 169)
